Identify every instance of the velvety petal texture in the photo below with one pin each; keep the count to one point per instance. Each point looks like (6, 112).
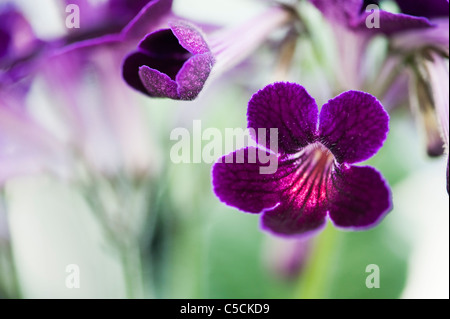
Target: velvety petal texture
(173, 63)
(238, 182)
(353, 126)
(314, 177)
(288, 108)
(359, 197)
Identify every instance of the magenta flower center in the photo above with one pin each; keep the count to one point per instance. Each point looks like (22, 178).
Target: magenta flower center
(314, 165)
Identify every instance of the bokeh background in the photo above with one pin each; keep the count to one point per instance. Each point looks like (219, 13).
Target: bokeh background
(191, 245)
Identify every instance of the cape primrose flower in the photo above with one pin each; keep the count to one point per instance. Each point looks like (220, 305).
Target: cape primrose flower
(315, 176)
(176, 62)
(172, 63)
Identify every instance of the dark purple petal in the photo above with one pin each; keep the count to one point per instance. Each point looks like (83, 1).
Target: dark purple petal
(391, 23)
(293, 200)
(238, 182)
(288, 220)
(157, 84)
(130, 70)
(353, 126)
(352, 14)
(425, 8)
(5, 40)
(193, 75)
(359, 198)
(288, 108)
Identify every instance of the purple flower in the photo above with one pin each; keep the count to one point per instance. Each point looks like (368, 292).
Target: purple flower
(424, 8)
(175, 62)
(25, 146)
(172, 63)
(436, 35)
(353, 15)
(99, 18)
(354, 28)
(19, 48)
(315, 175)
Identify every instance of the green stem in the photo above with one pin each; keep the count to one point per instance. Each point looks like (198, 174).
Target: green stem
(316, 275)
(132, 271)
(11, 284)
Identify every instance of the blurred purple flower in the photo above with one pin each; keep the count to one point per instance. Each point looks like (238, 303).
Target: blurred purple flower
(111, 134)
(25, 146)
(315, 175)
(436, 12)
(102, 18)
(352, 14)
(101, 123)
(19, 48)
(349, 21)
(286, 258)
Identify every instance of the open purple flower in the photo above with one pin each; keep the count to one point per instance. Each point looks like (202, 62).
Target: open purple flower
(315, 175)
(172, 63)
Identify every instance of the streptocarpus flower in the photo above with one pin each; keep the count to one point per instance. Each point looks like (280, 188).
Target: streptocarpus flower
(176, 62)
(173, 63)
(316, 152)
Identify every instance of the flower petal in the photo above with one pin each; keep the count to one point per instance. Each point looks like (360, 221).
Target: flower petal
(390, 23)
(237, 180)
(150, 16)
(157, 84)
(288, 221)
(424, 8)
(192, 76)
(359, 197)
(340, 11)
(353, 126)
(290, 109)
(190, 37)
(5, 40)
(303, 193)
